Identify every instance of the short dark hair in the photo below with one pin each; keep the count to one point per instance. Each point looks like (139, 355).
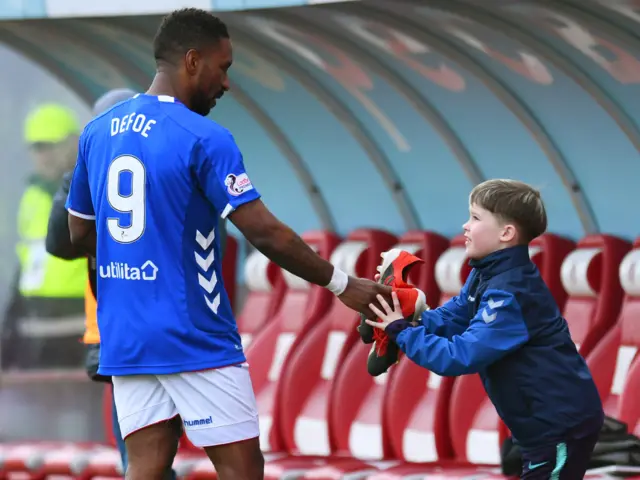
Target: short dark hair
(513, 201)
(185, 29)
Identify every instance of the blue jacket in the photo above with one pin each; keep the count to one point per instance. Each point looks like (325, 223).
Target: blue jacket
(506, 326)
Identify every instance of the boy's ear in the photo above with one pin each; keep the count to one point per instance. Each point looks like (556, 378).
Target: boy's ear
(509, 233)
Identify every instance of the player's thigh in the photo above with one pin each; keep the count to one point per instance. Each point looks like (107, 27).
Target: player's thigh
(218, 409)
(149, 424)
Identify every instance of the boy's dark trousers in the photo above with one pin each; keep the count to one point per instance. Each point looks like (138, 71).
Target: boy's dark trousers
(566, 461)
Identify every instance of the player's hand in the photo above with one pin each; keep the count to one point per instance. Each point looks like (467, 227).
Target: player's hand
(360, 293)
(387, 315)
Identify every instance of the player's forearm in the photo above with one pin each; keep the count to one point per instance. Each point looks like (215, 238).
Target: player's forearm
(284, 247)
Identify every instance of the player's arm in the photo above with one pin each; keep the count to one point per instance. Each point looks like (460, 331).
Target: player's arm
(280, 243)
(58, 241)
(82, 225)
(497, 329)
(452, 318)
(219, 168)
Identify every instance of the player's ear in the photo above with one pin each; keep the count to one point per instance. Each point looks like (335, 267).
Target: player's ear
(192, 61)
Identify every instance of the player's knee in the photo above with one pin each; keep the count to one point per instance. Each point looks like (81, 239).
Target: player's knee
(136, 471)
(156, 466)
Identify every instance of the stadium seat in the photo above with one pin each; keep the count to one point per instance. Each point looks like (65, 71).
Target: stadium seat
(417, 401)
(590, 275)
(27, 460)
(266, 287)
(356, 420)
(229, 265)
(71, 461)
(629, 406)
(303, 307)
(548, 252)
(612, 357)
(452, 269)
(304, 409)
(103, 460)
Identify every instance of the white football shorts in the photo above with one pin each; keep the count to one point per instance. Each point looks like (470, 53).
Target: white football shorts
(216, 406)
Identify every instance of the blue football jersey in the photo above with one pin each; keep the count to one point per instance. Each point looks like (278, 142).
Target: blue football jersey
(156, 177)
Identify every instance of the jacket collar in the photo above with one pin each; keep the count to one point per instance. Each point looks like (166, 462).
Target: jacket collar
(502, 260)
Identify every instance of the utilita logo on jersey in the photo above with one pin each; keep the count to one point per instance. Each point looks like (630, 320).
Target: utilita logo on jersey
(123, 271)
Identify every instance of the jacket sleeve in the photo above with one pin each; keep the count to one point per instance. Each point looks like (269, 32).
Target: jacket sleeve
(58, 242)
(497, 329)
(452, 318)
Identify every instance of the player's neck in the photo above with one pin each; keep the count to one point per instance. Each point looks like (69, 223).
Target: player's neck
(163, 84)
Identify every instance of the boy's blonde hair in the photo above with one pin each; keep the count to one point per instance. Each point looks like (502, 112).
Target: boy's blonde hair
(513, 202)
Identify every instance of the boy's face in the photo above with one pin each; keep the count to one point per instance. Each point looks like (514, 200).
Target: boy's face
(485, 233)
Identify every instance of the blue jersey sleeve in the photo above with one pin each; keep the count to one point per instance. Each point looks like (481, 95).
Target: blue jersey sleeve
(79, 202)
(220, 171)
(497, 329)
(453, 317)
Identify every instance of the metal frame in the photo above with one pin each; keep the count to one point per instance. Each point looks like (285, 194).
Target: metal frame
(342, 113)
(502, 91)
(506, 23)
(35, 53)
(423, 106)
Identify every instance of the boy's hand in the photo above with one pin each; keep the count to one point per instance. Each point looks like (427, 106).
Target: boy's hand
(361, 292)
(389, 315)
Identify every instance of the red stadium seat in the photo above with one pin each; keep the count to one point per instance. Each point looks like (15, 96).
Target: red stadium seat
(307, 380)
(452, 269)
(590, 275)
(548, 252)
(417, 400)
(29, 460)
(303, 306)
(612, 357)
(629, 407)
(104, 461)
(357, 400)
(265, 290)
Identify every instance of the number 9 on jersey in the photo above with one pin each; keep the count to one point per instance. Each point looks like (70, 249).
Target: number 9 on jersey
(133, 204)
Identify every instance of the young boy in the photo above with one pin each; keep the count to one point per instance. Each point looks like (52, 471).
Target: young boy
(506, 326)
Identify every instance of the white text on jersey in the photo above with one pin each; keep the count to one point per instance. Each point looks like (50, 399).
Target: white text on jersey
(136, 122)
(123, 271)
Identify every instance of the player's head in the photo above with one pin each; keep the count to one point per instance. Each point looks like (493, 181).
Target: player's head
(111, 98)
(503, 213)
(193, 45)
(51, 131)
